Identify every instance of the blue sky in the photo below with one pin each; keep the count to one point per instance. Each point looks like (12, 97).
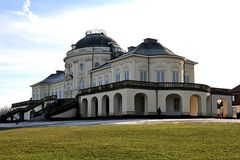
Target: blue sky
(36, 34)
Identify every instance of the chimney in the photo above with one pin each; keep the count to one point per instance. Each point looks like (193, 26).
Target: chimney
(73, 46)
(131, 48)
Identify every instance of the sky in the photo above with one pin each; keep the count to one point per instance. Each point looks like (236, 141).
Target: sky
(36, 34)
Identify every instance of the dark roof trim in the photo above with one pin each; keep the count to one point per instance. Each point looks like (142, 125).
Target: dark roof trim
(53, 78)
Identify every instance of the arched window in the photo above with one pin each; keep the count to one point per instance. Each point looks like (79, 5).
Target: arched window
(126, 75)
(81, 66)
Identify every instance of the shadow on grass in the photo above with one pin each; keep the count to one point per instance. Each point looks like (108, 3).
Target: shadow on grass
(4, 129)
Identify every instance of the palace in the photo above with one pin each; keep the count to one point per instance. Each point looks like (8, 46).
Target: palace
(101, 79)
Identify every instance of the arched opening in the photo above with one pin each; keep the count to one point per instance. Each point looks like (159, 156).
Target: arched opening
(208, 106)
(117, 102)
(105, 106)
(84, 110)
(195, 105)
(140, 101)
(173, 104)
(94, 107)
(222, 107)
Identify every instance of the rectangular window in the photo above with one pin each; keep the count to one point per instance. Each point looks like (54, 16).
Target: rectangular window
(100, 83)
(160, 76)
(187, 78)
(81, 84)
(117, 77)
(143, 76)
(233, 98)
(93, 84)
(60, 94)
(175, 76)
(176, 105)
(126, 75)
(106, 81)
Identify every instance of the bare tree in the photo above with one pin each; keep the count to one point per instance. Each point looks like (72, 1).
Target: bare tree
(4, 110)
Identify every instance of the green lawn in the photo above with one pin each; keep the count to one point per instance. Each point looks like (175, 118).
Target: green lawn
(156, 141)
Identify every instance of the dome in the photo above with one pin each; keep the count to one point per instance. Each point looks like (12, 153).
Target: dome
(94, 39)
(150, 47)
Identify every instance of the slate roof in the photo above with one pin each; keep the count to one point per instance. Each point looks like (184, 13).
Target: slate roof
(236, 89)
(94, 40)
(150, 47)
(57, 77)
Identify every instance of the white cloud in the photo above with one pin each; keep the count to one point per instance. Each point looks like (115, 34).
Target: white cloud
(27, 12)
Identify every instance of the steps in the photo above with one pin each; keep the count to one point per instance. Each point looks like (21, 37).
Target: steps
(62, 105)
(55, 107)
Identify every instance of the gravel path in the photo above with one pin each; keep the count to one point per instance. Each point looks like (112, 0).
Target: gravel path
(116, 122)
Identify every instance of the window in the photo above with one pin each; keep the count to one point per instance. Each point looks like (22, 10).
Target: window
(117, 77)
(186, 78)
(97, 65)
(143, 76)
(45, 94)
(160, 76)
(81, 66)
(100, 82)
(60, 94)
(176, 105)
(93, 84)
(81, 84)
(126, 75)
(106, 81)
(175, 76)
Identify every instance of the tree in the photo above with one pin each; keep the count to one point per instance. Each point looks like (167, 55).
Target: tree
(4, 110)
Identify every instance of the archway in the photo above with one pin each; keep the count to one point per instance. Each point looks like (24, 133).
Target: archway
(117, 102)
(173, 104)
(222, 107)
(140, 102)
(84, 110)
(94, 107)
(105, 106)
(195, 105)
(208, 106)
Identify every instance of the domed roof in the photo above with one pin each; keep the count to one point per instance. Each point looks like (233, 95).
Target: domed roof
(94, 39)
(151, 47)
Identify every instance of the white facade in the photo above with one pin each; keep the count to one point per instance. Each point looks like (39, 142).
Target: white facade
(110, 82)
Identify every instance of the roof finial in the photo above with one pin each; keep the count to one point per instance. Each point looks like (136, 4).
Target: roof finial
(93, 31)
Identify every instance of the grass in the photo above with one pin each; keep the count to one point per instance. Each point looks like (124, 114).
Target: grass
(155, 141)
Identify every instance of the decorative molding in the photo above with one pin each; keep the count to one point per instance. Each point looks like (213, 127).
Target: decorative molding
(161, 66)
(175, 66)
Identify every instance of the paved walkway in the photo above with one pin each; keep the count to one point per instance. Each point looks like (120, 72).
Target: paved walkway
(115, 122)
